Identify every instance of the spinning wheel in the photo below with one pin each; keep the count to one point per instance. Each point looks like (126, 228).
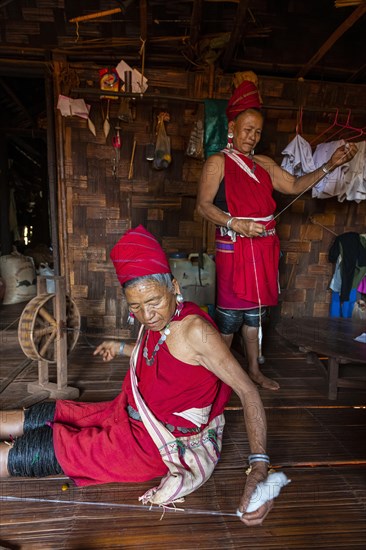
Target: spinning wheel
(48, 330)
(39, 328)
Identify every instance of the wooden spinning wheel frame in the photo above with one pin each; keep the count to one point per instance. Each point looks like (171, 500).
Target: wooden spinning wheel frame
(48, 330)
(39, 327)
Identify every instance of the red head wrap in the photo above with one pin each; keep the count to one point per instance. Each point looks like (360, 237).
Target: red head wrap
(138, 253)
(246, 96)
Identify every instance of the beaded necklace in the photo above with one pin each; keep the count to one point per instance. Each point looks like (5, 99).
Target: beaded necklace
(254, 164)
(166, 332)
(150, 360)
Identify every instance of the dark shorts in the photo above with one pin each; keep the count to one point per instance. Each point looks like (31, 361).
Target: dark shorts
(230, 321)
(32, 454)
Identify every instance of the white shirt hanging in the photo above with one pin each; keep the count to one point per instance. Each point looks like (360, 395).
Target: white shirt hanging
(354, 188)
(333, 183)
(298, 157)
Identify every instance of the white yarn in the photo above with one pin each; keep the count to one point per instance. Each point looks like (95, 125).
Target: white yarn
(265, 491)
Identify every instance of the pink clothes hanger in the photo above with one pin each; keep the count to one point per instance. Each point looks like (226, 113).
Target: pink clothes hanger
(347, 126)
(335, 122)
(341, 127)
(359, 133)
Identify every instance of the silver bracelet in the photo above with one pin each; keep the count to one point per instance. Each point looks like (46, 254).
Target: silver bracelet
(229, 222)
(325, 169)
(121, 348)
(258, 458)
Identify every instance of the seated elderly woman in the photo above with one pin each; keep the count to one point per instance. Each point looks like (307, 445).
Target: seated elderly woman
(168, 419)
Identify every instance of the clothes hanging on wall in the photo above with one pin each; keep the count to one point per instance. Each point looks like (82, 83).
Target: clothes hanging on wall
(354, 186)
(342, 309)
(336, 282)
(332, 184)
(352, 251)
(298, 157)
(347, 182)
(362, 286)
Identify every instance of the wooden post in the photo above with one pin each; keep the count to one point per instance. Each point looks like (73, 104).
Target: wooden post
(61, 339)
(43, 375)
(61, 176)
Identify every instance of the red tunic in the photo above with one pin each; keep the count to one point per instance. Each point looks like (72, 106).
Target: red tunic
(247, 270)
(99, 442)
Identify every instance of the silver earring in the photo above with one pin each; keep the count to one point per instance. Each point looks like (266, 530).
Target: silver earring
(252, 152)
(230, 136)
(179, 300)
(130, 319)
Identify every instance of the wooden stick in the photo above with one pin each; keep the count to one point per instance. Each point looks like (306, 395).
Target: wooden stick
(334, 37)
(94, 15)
(130, 172)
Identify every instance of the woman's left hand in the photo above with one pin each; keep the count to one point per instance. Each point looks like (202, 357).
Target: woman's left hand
(257, 474)
(108, 350)
(343, 154)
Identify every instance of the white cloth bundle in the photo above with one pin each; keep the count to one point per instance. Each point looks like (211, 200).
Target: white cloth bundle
(266, 490)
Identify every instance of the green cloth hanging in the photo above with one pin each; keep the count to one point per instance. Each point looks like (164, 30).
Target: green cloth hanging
(215, 126)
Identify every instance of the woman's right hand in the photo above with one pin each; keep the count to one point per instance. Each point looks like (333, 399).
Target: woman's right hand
(247, 228)
(257, 474)
(108, 350)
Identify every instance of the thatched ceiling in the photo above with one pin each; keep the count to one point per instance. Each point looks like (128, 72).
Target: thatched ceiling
(313, 39)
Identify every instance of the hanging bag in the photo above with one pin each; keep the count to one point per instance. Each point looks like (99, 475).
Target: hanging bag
(162, 155)
(190, 459)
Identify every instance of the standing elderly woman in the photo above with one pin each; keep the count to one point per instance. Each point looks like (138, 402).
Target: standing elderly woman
(180, 378)
(235, 193)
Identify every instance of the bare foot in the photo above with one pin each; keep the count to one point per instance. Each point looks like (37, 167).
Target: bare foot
(4, 452)
(263, 381)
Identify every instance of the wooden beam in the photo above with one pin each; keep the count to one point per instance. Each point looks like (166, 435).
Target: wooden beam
(143, 19)
(196, 20)
(25, 132)
(347, 24)
(95, 92)
(247, 64)
(357, 74)
(347, 3)
(95, 15)
(236, 33)
(27, 150)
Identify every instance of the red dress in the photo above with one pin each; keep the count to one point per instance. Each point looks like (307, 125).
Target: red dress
(99, 442)
(247, 270)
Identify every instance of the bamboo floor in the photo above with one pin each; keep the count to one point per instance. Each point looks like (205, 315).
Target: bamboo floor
(319, 444)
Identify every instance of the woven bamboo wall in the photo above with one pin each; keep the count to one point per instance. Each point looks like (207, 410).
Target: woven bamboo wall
(100, 206)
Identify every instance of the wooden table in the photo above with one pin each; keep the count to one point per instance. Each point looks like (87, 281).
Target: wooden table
(330, 337)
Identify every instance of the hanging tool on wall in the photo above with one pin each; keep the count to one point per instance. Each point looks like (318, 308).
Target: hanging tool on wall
(106, 123)
(109, 81)
(117, 143)
(130, 172)
(150, 146)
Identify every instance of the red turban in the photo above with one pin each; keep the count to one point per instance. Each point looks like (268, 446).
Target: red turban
(245, 96)
(138, 253)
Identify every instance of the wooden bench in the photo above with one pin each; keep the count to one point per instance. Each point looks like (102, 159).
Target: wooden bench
(330, 337)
